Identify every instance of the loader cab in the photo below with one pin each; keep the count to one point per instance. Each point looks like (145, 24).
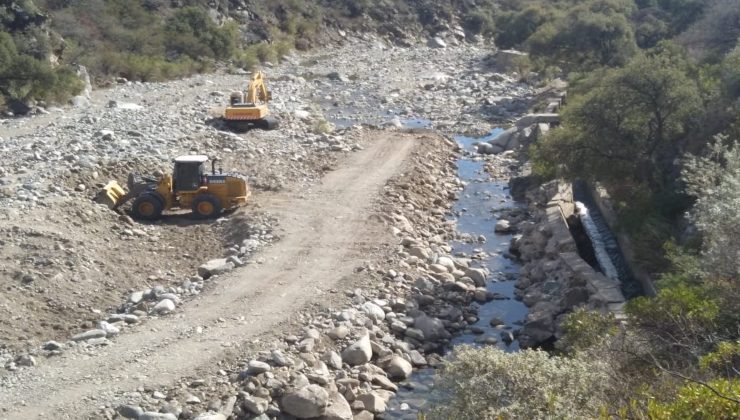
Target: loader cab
(189, 173)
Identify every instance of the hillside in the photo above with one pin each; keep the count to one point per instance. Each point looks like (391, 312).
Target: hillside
(152, 40)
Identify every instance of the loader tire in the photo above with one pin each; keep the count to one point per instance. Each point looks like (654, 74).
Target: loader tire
(147, 207)
(206, 206)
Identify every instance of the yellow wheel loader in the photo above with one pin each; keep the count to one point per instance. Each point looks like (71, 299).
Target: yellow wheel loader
(249, 109)
(189, 187)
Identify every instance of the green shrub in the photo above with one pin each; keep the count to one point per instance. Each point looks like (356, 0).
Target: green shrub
(583, 329)
(488, 383)
(683, 321)
(190, 31)
(585, 39)
(685, 267)
(698, 402)
(626, 127)
(725, 360)
(479, 22)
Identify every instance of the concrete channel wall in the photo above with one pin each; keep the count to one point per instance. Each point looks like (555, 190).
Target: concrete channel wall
(604, 293)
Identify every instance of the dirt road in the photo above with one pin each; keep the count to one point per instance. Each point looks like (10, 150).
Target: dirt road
(328, 232)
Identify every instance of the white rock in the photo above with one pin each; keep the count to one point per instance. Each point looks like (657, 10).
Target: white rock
(359, 352)
(255, 405)
(211, 416)
(478, 275)
(256, 367)
(437, 42)
(110, 329)
(302, 115)
(87, 335)
(398, 368)
(164, 306)
(136, 297)
(338, 409)
(153, 415)
(215, 267)
(373, 311)
(307, 402)
(503, 226)
(446, 262)
(373, 402)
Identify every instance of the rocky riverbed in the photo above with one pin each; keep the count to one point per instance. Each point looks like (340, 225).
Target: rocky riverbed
(79, 274)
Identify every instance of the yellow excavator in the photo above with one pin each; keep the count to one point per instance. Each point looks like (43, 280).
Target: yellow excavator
(249, 109)
(189, 186)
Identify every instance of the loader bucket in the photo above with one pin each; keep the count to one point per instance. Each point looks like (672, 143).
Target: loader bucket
(111, 195)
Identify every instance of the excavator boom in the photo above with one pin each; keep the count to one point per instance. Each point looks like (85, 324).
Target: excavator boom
(257, 90)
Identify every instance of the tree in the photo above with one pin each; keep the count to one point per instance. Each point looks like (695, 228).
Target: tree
(716, 32)
(512, 29)
(23, 77)
(730, 74)
(714, 180)
(629, 126)
(594, 35)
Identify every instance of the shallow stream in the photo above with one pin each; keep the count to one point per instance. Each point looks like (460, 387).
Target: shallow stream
(476, 212)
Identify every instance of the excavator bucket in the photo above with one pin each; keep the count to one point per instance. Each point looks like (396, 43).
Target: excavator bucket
(112, 195)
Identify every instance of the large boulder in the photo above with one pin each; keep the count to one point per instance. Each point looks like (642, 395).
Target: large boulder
(373, 311)
(338, 409)
(398, 368)
(436, 42)
(359, 352)
(504, 226)
(255, 405)
(164, 306)
(538, 328)
(305, 403)
(503, 139)
(255, 367)
(215, 267)
(509, 60)
(478, 275)
(130, 411)
(433, 328)
(373, 402)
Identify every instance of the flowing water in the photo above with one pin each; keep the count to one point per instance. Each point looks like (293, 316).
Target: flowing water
(606, 247)
(476, 212)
